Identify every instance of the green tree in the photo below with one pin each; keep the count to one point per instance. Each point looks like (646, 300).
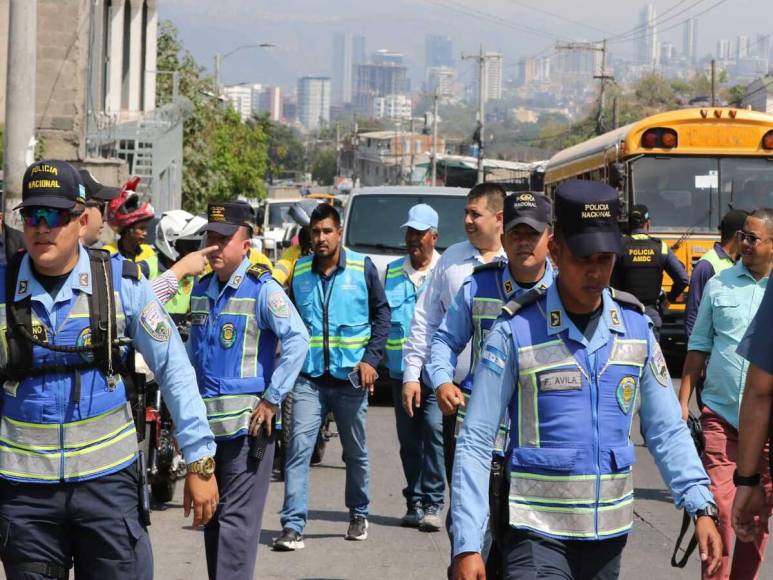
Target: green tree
(285, 148)
(222, 156)
(323, 170)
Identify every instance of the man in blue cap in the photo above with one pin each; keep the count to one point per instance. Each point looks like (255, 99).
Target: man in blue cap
(421, 432)
(570, 365)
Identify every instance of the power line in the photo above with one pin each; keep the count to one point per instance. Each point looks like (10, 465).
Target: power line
(657, 21)
(559, 16)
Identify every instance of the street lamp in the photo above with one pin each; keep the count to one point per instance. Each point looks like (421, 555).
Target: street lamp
(220, 57)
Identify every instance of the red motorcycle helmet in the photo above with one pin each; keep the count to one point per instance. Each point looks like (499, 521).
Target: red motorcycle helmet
(127, 209)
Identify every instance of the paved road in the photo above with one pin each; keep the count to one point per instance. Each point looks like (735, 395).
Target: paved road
(392, 552)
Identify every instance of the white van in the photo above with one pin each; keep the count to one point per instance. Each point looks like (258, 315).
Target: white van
(374, 216)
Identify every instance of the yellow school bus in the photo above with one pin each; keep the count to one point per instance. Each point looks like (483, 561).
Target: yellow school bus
(689, 167)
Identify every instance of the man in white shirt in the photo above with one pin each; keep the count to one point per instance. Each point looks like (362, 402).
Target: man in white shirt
(483, 225)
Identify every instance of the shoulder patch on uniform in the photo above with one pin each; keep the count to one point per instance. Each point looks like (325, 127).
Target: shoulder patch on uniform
(277, 304)
(493, 358)
(627, 299)
(155, 321)
(525, 299)
(258, 270)
(130, 269)
(659, 367)
(493, 265)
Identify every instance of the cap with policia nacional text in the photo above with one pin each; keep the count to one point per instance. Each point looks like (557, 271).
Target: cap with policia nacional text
(54, 184)
(226, 217)
(97, 191)
(586, 217)
(527, 207)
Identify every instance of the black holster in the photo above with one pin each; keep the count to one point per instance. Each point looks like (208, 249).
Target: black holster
(498, 503)
(144, 493)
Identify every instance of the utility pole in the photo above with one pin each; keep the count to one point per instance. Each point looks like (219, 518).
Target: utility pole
(603, 77)
(482, 59)
(713, 83)
(19, 146)
(338, 150)
(434, 138)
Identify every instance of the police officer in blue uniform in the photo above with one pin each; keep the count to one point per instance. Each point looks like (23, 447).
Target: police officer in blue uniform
(239, 314)
(70, 486)
(527, 219)
(570, 365)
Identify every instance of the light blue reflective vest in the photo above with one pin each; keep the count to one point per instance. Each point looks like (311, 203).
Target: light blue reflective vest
(338, 320)
(45, 435)
(401, 295)
(570, 470)
(233, 358)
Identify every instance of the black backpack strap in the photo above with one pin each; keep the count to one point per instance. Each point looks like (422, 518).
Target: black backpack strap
(530, 297)
(493, 265)
(19, 314)
(691, 545)
(627, 299)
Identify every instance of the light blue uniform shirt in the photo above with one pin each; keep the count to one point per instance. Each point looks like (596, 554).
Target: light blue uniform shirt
(290, 330)
(668, 438)
(166, 358)
(730, 301)
(456, 330)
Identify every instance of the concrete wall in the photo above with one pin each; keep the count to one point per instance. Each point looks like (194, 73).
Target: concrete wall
(3, 53)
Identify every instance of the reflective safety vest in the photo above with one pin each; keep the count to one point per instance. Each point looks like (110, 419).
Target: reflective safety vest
(232, 356)
(571, 453)
(401, 295)
(642, 267)
(180, 303)
(338, 320)
(69, 424)
(718, 263)
(147, 256)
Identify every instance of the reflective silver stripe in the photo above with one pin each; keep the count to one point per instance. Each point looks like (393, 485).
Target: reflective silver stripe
(199, 304)
(549, 354)
(30, 465)
(534, 488)
(616, 518)
(486, 308)
(101, 457)
(528, 412)
(616, 487)
(81, 307)
(629, 352)
(97, 429)
(3, 338)
(120, 317)
(230, 414)
(239, 306)
(250, 348)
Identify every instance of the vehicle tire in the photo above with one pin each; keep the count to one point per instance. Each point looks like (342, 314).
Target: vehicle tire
(163, 490)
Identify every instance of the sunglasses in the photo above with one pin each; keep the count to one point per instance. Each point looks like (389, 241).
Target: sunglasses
(751, 239)
(53, 218)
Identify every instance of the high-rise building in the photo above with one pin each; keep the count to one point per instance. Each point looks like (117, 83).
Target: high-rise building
(342, 67)
(667, 52)
(723, 49)
(646, 37)
(393, 107)
(442, 79)
(240, 97)
(377, 80)
(742, 47)
(762, 46)
(313, 101)
(388, 57)
(528, 71)
(492, 76)
(690, 40)
(439, 51)
(270, 102)
(359, 52)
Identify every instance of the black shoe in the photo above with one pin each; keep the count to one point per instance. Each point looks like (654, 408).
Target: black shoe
(289, 541)
(412, 517)
(358, 529)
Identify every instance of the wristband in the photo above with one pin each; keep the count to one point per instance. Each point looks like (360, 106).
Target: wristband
(745, 480)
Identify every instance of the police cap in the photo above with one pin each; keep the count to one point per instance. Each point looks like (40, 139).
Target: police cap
(639, 215)
(55, 184)
(226, 217)
(530, 208)
(586, 217)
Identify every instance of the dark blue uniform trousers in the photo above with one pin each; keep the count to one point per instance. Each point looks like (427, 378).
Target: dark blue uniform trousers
(95, 524)
(529, 556)
(231, 537)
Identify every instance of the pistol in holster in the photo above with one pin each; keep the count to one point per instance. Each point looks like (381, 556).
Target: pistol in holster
(144, 493)
(498, 502)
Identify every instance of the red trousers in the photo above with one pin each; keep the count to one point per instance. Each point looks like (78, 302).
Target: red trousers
(720, 459)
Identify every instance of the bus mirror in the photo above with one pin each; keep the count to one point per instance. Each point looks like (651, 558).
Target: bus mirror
(617, 175)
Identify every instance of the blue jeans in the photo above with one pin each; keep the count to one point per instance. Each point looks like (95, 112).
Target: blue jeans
(312, 400)
(421, 448)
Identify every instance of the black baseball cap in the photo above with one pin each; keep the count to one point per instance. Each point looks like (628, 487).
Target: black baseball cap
(55, 184)
(586, 217)
(96, 190)
(732, 221)
(226, 217)
(639, 215)
(527, 207)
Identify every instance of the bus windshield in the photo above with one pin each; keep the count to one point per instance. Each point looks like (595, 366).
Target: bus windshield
(693, 193)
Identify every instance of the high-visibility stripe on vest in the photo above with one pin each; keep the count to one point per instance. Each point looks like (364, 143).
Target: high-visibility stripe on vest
(570, 469)
(401, 295)
(180, 303)
(338, 346)
(233, 358)
(718, 263)
(45, 437)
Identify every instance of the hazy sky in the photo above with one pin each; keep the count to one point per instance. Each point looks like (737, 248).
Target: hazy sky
(303, 29)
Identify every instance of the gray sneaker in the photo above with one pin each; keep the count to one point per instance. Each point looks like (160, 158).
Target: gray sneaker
(289, 541)
(412, 517)
(358, 529)
(431, 522)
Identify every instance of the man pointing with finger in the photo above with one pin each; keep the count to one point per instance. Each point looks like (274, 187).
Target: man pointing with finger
(239, 315)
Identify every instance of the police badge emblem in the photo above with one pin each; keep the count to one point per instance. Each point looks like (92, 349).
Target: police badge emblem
(508, 287)
(626, 390)
(227, 335)
(555, 318)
